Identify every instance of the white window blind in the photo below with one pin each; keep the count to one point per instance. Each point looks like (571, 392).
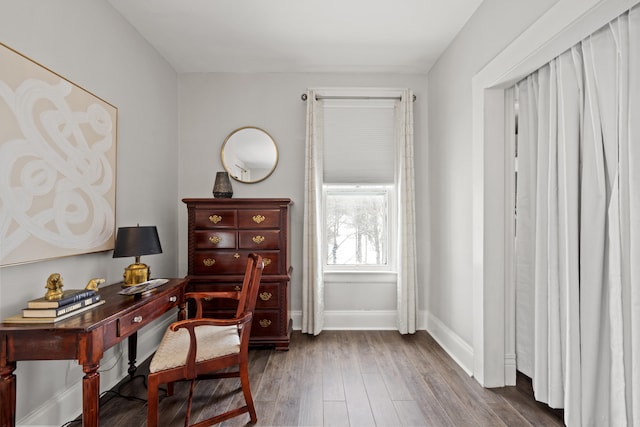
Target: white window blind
(358, 141)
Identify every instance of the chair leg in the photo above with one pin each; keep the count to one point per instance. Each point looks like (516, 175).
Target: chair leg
(152, 401)
(246, 390)
(188, 414)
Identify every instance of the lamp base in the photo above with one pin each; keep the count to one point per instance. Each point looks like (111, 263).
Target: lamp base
(135, 274)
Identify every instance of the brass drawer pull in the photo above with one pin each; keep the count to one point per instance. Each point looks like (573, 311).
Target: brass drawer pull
(236, 255)
(137, 319)
(215, 239)
(258, 218)
(266, 261)
(265, 296)
(215, 218)
(208, 262)
(237, 288)
(173, 298)
(265, 323)
(257, 239)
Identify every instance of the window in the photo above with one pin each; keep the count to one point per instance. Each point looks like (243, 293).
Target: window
(357, 226)
(358, 184)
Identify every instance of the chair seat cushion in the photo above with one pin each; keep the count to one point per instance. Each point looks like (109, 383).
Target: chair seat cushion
(213, 341)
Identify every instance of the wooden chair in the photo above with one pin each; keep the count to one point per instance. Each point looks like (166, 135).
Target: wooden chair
(200, 348)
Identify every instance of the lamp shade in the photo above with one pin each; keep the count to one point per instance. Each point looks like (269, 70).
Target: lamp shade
(137, 241)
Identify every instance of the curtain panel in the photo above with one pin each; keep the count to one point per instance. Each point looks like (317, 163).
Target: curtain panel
(312, 274)
(578, 228)
(406, 242)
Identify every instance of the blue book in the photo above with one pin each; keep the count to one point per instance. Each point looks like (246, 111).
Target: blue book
(68, 297)
(55, 312)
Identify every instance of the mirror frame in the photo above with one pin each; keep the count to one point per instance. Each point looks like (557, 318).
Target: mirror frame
(227, 139)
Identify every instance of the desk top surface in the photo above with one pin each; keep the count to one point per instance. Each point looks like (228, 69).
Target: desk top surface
(115, 306)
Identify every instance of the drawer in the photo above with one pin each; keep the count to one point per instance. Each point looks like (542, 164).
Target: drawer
(265, 323)
(271, 260)
(259, 239)
(209, 239)
(215, 218)
(259, 218)
(219, 262)
(133, 321)
(233, 262)
(268, 295)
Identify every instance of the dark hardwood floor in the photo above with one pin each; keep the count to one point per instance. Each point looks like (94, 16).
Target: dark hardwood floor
(343, 378)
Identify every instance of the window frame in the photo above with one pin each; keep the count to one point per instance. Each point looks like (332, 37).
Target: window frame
(390, 191)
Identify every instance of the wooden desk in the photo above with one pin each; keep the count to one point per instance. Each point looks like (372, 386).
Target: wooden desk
(84, 337)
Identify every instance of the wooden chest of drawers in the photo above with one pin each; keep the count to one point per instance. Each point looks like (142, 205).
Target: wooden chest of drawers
(221, 233)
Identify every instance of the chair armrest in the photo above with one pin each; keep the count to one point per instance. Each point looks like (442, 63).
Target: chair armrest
(212, 294)
(193, 323)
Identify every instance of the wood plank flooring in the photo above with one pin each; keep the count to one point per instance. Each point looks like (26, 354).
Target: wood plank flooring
(343, 378)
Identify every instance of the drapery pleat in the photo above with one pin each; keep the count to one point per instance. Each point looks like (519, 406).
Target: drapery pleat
(525, 243)
(406, 252)
(578, 229)
(312, 274)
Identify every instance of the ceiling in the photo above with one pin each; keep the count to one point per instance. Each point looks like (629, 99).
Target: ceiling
(386, 36)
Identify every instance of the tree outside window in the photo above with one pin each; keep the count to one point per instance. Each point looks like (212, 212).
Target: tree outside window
(357, 230)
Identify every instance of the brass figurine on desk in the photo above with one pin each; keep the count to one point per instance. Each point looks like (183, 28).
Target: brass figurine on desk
(54, 287)
(94, 283)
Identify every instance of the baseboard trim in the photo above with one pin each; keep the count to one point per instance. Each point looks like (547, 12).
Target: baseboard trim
(510, 369)
(67, 405)
(459, 350)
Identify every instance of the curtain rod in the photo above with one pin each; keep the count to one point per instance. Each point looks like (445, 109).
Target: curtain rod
(318, 97)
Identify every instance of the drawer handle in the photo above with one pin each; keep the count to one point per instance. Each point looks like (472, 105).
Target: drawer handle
(237, 288)
(236, 255)
(265, 323)
(265, 296)
(173, 299)
(258, 218)
(208, 262)
(266, 261)
(215, 219)
(257, 239)
(215, 239)
(137, 319)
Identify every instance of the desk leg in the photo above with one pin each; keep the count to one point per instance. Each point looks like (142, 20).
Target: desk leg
(7, 394)
(133, 353)
(90, 395)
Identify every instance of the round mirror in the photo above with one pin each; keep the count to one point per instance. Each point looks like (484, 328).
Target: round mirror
(249, 154)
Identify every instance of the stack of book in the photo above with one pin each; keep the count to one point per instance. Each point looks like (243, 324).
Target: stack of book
(41, 310)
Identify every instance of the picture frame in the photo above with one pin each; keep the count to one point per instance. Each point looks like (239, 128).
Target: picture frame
(57, 164)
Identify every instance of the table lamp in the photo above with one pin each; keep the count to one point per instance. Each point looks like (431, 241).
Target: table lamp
(136, 241)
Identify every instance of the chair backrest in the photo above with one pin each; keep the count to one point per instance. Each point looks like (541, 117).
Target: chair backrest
(249, 292)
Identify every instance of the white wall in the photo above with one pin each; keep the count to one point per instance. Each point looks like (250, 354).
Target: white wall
(213, 105)
(90, 44)
(450, 293)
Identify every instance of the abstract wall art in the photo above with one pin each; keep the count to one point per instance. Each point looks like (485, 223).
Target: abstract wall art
(57, 164)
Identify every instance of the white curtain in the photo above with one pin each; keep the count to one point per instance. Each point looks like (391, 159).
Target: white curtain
(578, 229)
(312, 274)
(406, 245)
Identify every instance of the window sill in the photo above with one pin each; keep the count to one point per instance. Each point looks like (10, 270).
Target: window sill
(370, 276)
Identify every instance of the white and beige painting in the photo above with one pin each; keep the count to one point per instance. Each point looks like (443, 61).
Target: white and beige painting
(57, 165)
